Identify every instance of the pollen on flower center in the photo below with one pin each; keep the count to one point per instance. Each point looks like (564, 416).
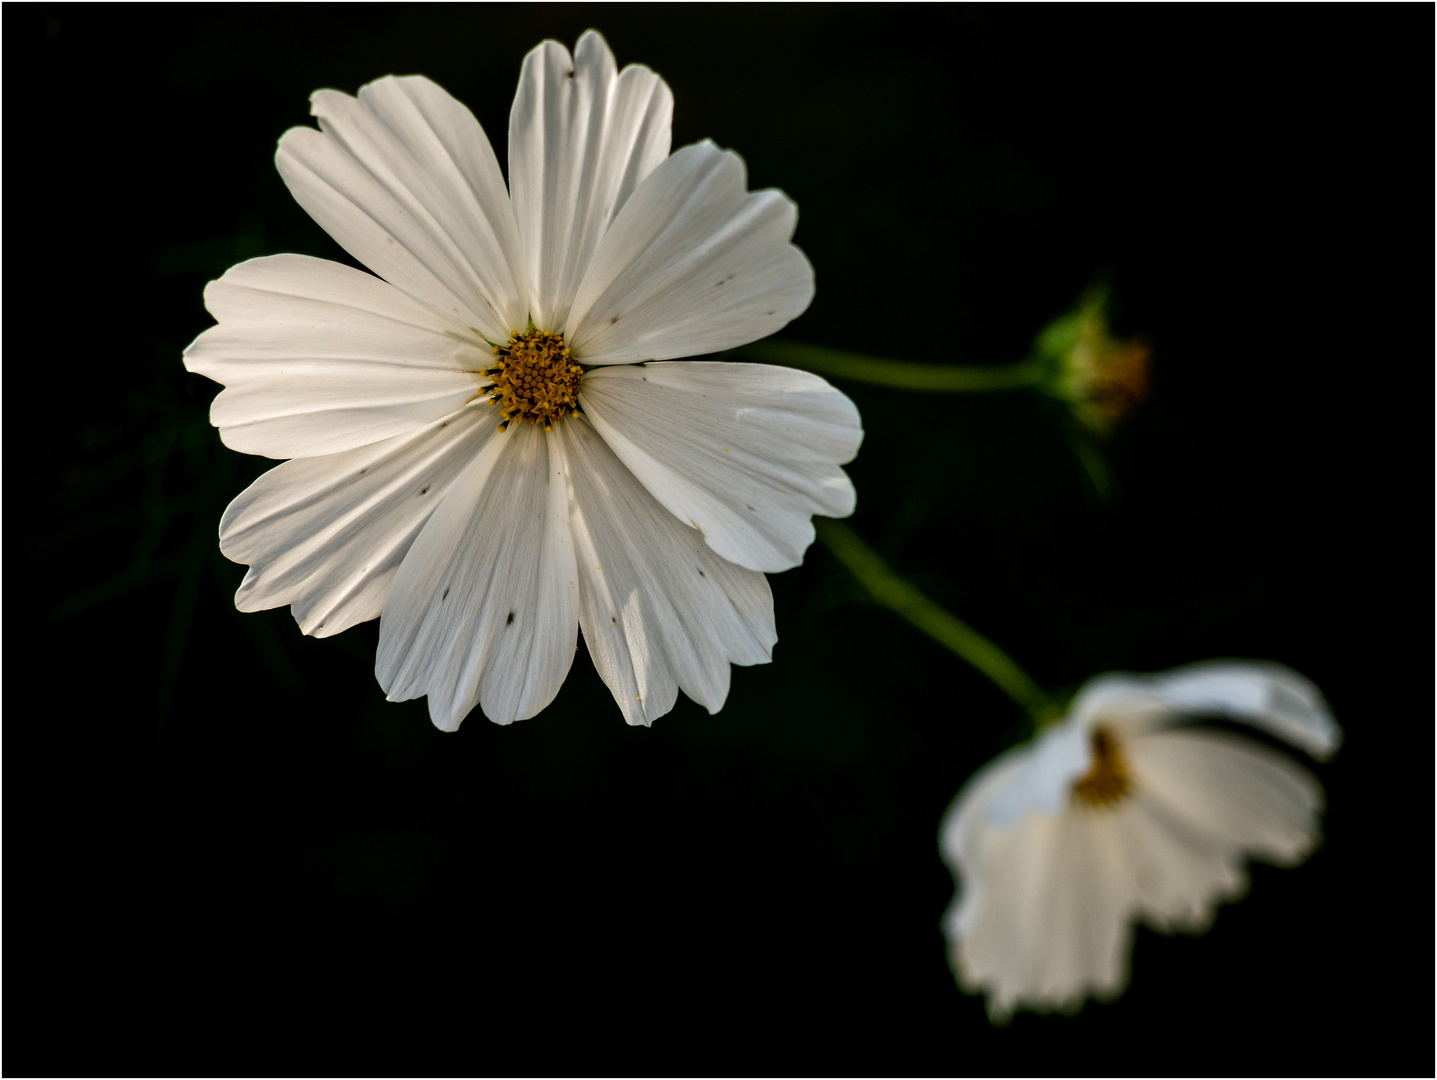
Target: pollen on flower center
(534, 379)
(1107, 781)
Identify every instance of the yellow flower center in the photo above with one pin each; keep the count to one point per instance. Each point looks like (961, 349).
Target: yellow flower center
(1107, 781)
(534, 379)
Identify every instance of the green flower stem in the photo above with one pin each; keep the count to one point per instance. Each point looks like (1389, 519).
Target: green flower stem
(892, 592)
(939, 378)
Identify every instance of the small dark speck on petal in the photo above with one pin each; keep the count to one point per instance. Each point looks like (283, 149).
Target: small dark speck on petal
(445, 594)
(510, 619)
(613, 320)
(702, 574)
(750, 507)
(445, 424)
(425, 491)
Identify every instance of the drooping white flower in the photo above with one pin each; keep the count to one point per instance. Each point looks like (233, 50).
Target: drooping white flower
(1117, 813)
(484, 453)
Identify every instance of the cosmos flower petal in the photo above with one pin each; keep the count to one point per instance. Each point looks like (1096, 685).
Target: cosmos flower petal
(1242, 796)
(1041, 775)
(1052, 924)
(745, 453)
(404, 178)
(326, 535)
(975, 923)
(1178, 874)
(1090, 907)
(1019, 945)
(1026, 924)
(659, 609)
(1038, 861)
(484, 608)
(995, 886)
(582, 136)
(694, 263)
(964, 826)
(1269, 696)
(1266, 695)
(318, 358)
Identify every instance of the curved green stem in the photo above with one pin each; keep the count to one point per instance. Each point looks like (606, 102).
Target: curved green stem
(892, 592)
(941, 378)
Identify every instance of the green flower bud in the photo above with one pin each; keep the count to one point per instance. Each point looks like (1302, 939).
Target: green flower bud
(1101, 377)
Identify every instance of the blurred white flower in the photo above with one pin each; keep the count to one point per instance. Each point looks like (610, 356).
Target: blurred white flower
(483, 455)
(1116, 814)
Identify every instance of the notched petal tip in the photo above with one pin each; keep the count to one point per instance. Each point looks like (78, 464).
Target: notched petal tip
(379, 84)
(289, 142)
(594, 39)
(496, 547)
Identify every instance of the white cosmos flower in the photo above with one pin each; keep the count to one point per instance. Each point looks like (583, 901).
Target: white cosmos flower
(1117, 813)
(484, 454)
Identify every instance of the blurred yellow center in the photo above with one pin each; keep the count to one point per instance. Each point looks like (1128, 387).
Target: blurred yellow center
(1107, 781)
(534, 379)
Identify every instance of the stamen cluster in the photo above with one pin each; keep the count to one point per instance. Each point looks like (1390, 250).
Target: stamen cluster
(534, 379)
(1106, 781)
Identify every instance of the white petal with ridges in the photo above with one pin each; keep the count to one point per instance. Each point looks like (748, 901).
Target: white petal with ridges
(693, 264)
(1042, 775)
(1045, 911)
(1018, 943)
(1241, 796)
(964, 837)
(318, 358)
(966, 821)
(659, 609)
(1266, 695)
(745, 453)
(1178, 876)
(326, 535)
(1089, 955)
(484, 608)
(1269, 696)
(582, 135)
(404, 178)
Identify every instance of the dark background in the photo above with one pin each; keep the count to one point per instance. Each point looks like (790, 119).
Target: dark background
(227, 853)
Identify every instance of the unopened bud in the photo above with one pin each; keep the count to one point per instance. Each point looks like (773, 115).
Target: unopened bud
(1101, 377)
